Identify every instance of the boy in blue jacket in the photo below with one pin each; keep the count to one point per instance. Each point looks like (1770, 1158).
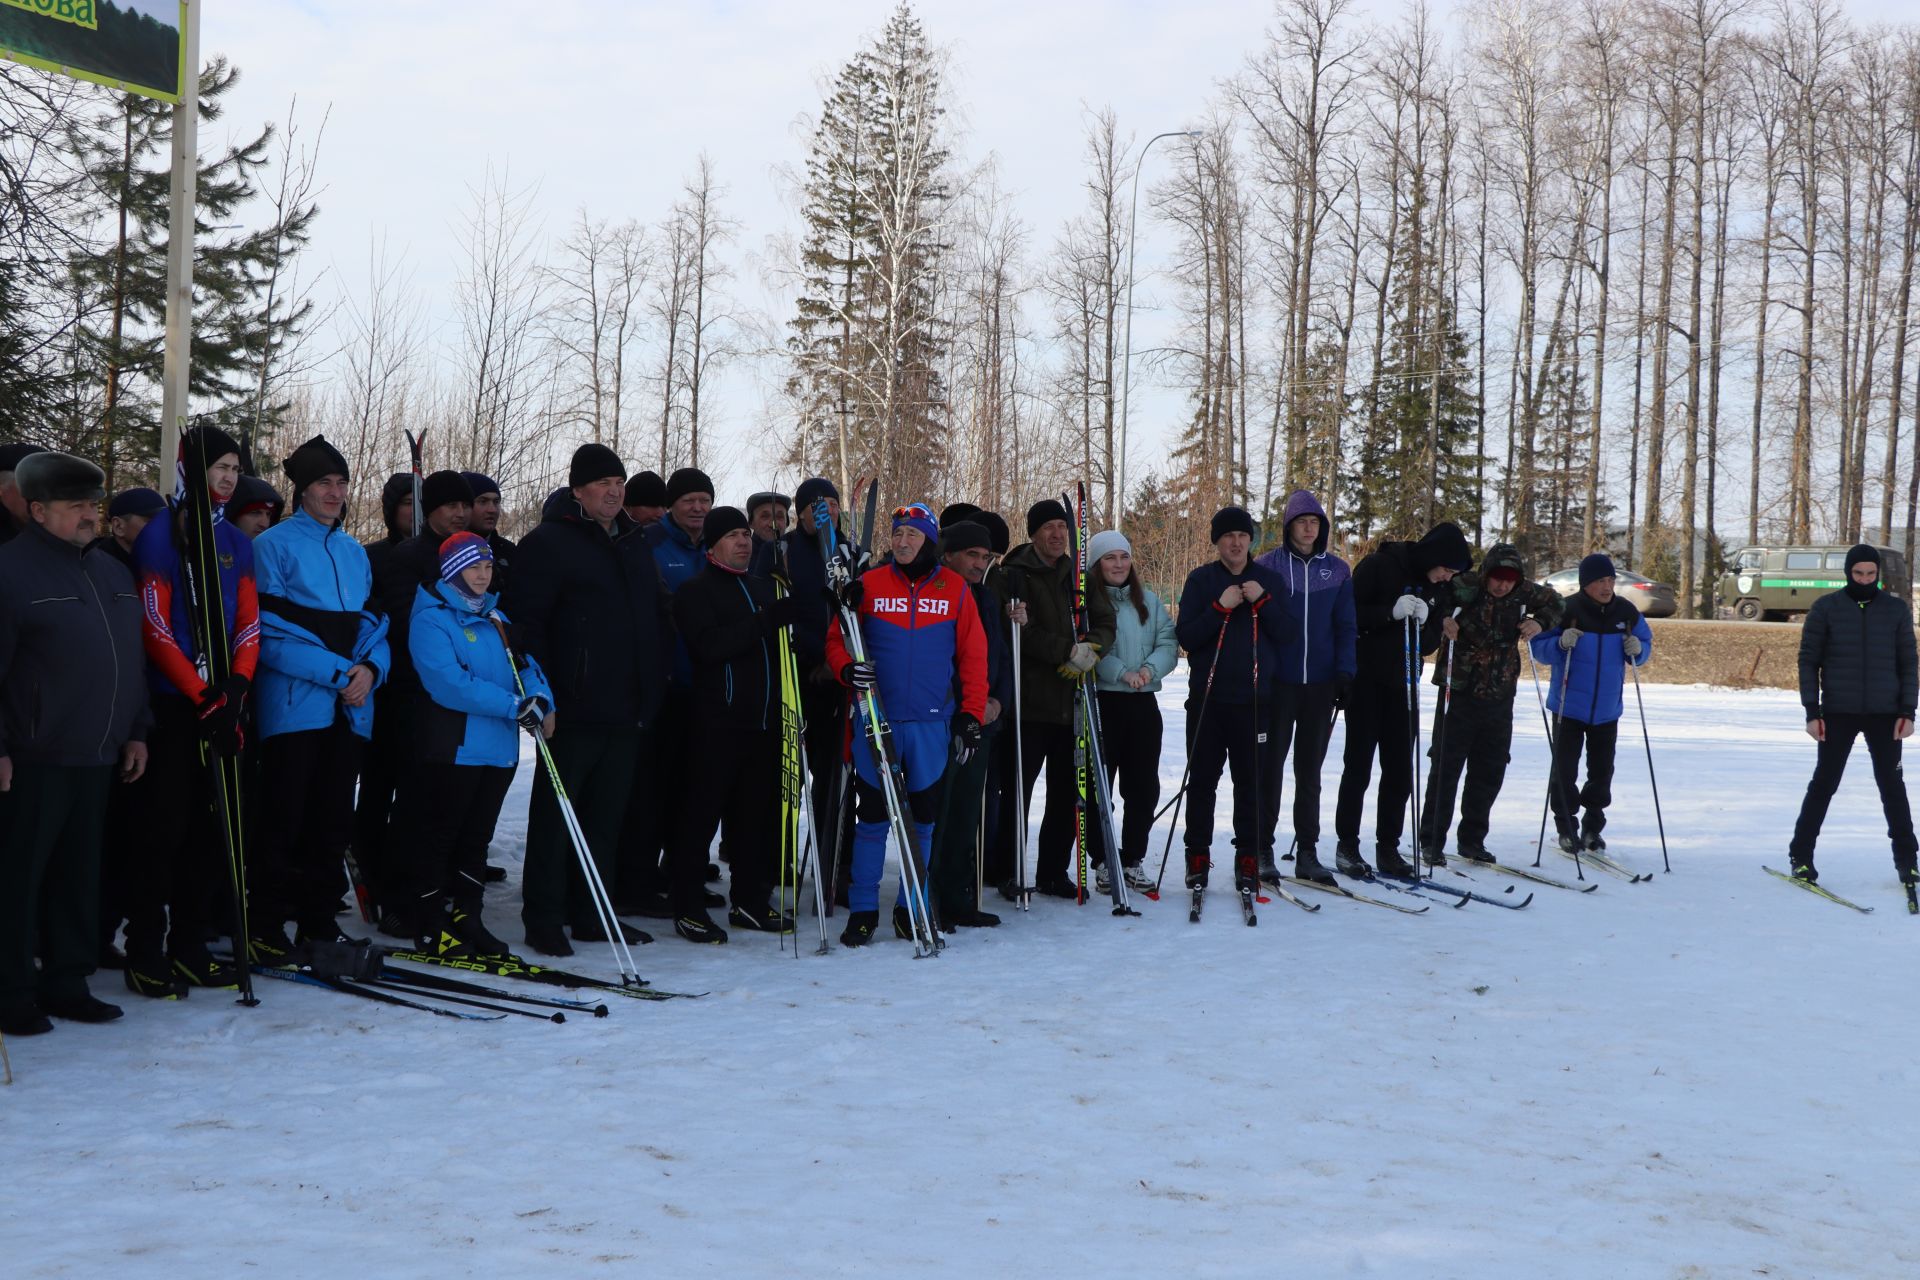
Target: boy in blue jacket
(1598, 635)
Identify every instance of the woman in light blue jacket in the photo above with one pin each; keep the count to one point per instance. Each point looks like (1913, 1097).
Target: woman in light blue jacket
(1128, 678)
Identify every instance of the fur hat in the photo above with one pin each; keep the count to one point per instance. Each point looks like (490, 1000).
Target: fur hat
(59, 477)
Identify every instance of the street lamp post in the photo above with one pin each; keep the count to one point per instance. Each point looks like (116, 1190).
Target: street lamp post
(1126, 359)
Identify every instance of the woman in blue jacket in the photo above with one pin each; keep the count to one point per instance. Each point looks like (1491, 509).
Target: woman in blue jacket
(1598, 635)
(1128, 678)
(467, 746)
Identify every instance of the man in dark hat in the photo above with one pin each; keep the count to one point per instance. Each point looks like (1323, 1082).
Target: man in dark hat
(396, 513)
(73, 713)
(323, 652)
(255, 507)
(1857, 679)
(822, 698)
(585, 604)
(485, 521)
(13, 508)
(1599, 633)
(967, 548)
(1397, 585)
(768, 515)
(646, 499)
(127, 515)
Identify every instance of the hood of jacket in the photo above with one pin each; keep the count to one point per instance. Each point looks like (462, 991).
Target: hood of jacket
(1504, 555)
(1302, 503)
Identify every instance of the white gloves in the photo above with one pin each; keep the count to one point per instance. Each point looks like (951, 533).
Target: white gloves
(1569, 638)
(1410, 606)
(1630, 645)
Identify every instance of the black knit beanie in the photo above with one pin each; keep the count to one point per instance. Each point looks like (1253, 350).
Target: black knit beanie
(442, 488)
(685, 481)
(1044, 512)
(594, 462)
(1230, 520)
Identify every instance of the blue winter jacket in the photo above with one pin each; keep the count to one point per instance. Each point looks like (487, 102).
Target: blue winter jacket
(1136, 644)
(1319, 598)
(1207, 631)
(1588, 681)
(467, 672)
(314, 627)
(679, 559)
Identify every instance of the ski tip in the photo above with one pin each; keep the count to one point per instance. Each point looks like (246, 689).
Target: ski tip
(1523, 902)
(1460, 902)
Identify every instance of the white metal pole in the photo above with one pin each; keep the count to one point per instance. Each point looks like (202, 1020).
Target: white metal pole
(186, 151)
(1117, 505)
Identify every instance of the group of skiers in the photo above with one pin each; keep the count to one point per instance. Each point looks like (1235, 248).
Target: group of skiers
(365, 707)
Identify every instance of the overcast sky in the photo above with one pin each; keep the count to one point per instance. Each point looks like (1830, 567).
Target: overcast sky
(606, 103)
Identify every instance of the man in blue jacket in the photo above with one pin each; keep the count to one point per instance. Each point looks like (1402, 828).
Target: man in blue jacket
(322, 654)
(1316, 670)
(1598, 635)
(1224, 606)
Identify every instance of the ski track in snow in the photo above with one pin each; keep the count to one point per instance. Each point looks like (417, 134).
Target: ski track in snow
(1708, 1075)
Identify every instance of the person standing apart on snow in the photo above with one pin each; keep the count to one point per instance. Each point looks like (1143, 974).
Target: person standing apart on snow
(1398, 582)
(1128, 678)
(1224, 606)
(1598, 635)
(1473, 726)
(927, 656)
(1316, 671)
(1857, 678)
(73, 716)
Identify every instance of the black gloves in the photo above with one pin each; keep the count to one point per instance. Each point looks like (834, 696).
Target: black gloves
(783, 612)
(1342, 690)
(531, 711)
(966, 737)
(219, 713)
(858, 675)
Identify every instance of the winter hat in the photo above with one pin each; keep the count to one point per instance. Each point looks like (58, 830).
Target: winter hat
(1107, 540)
(59, 477)
(444, 488)
(397, 489)
(311, 461)
(254, 494)
(462, 551)
(209, 442)
(1503, 573)
(954, 512)
(140, 502)
(685, 481)
(918, 515)
(12, 455)
(1045, 512)
(767, 498)
(722, 521)
(1861, 551)
(594, 462)
(1231, 520)
(964, 535)
(812, 490)
(479, 483)
(999, 536)
(1444, 547)
(646, 489)
(1593, 568)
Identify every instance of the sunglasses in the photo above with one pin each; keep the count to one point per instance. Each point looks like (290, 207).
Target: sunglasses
(913, 511)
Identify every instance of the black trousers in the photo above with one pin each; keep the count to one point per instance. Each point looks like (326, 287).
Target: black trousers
(1301, 722)
(50, 827)
(1565, 794)
(1831, 762)
(659, 779)
(595, 762)
(384, 763)
(1225, 741)
(957, 829)
(1050, 747)
(447, 814)
(1005, 795)
(1130, 733)
(167, 890)
(1477, 741)
(307, 822)
(1376, 722)
(735, 769)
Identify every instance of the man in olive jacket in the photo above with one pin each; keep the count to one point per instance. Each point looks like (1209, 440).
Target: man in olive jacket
(1857, 677)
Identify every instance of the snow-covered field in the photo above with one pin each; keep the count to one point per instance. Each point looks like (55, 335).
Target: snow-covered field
(1709, 1075)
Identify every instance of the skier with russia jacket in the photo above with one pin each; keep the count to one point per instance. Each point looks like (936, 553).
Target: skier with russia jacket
(923, 637)
(1857, 678)
(1397, 582)
(1224, 607)
(1599, 633)
(467, 739)
(323, 652)
(1473, 725)
(1316, 671)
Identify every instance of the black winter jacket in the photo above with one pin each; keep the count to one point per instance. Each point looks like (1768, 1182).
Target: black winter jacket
(1046, 696)
(813, 600)
(1857, 659)
(727, 621)
(73, 676)
(399, 571)
(1381, 578)
(587, 606)
(1200, 631)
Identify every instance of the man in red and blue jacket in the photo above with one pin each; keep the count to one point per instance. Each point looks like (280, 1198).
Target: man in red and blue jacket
(921, 630)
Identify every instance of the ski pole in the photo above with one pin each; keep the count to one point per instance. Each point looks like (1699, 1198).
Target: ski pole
(1257, 838)
(1413, 736)
(1022, 895)
(1186, 774)
(1553, 767)
(1652, 778)
(1440, 754)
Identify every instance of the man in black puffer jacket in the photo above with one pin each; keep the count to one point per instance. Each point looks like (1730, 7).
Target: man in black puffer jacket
(1397, 582)
(1857, 677)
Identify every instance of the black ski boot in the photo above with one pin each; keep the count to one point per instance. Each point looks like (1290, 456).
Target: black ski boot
(23, 1019)
(1198, 864)
(594, 933)
(1474, 851)
(491, 874)
(1908, 873)
(1803, 870)
(860, 927)
(1306, 865)
(966, 916)
(1389, 862)
(1246, 873)
(697, 926)
(548, 940)
(1348, 862)
(1057, 887)
(269, 946)
(469, 936)
(198, 969)
(1570, 841)
(903, 924)
(1592, 841)
(1433, 855)
(1269, 873)
(79, 1008)
(153, 978)
(761, 919)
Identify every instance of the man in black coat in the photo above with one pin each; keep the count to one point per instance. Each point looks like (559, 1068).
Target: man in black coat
(823, 699)
(728, 616)
(966, 547)
(585, 603)
(1857, 678)
(73, 716)
(485, 521)
(1398, 582)
(13, 508)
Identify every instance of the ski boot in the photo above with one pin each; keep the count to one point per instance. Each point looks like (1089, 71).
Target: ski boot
(465, 934)
(548, 940)
(966, 916)
(1307, 866)
(1198, 864)
(1137, 878)
(764, 919)
(269, 947)
(1474, 851)
(1570, 841)
(592, 932)
(1348, 862)
(1389, 862)
(1269, 873)
(1246, 882)
(860, 927)
(1592, 841)
(201, 970)
(1102, 882)
(1433, 855)
(154, 979)
(1803, 870)
(697, 926)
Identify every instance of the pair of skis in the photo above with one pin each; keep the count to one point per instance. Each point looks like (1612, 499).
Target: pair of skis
(796, 796)
(1821, 891)
(1093, 802)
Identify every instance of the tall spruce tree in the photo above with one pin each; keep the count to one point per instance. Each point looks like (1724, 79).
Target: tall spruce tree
(866, 342)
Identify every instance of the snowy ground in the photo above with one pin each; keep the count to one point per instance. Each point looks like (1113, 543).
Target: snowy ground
(1709, 1075)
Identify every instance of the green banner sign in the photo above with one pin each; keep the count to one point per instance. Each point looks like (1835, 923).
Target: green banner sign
(138, 46)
